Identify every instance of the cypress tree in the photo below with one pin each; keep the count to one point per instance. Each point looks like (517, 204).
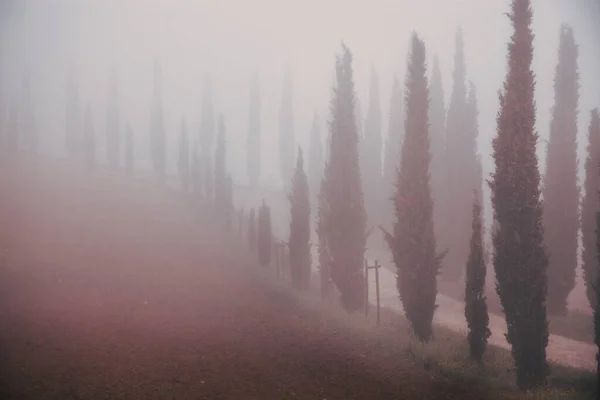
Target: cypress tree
(253, 155)
(476, 311)
(316, 157)
(207, 124)
(252, 239)
(129, 154)
(392, 149)
(220, 185)
(299, 241)
(184, 158)
(286, 130)
(324, 256)
(265, 237)
(345, 219)
(597, 295)
(89, 139)
(28, 127)
(372, 175)
(437, 130)
(72, 116)
(520, 259)
(112, 123)
(589, 207)
(413, 242)
(228, 208)
(561, 192)
(460, 172)
(157, 127)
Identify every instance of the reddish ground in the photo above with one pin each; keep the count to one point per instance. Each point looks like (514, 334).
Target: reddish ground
(109, 289)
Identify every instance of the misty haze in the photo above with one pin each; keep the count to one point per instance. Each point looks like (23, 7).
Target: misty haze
(228, 199)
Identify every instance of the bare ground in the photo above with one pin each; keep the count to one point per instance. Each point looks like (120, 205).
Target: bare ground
(109, 289)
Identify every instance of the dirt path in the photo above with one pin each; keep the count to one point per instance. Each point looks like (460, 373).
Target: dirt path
(109, 290)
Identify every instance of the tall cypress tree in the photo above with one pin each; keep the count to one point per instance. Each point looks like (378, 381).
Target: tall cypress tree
(589, 207)
(157, 127)
(476, 311)
(472, 133)
(265, 237)
(129, 153)
(220, 185)
(286, 130)
(460, 167)
(346, 219)
(184, 158)
(89, 139)
(315, 157)
(28, 127)
(561, 192)
(72, 116)
(437, 133)
(299, 241)
(253, 154)
(520, 259)
(372, 176)
(392, 150)
(324, 256)
(207, 124)
(413, 242)
(112, 123)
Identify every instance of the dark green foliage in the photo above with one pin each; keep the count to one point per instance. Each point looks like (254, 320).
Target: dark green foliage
(252, 236)
(476, 311)
(437, 134)
(286, 130)
(324, 257)
(184, 159)
(129, 153)
(299, 242)
(520, 259)
(345, 218)
(392, 151)
(73, 117)
(589, 208)
(89, 140)
(158, 141)
(253, 141)
(413, 242)
(265, 237)
(561, 192)
(113, 139)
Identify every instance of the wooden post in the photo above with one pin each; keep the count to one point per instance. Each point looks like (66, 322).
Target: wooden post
(377, 266)
(366, 289)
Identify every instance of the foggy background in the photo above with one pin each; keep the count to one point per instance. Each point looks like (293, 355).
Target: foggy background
(229, 40)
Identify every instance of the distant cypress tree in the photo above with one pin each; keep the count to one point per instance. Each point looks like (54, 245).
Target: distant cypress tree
(299, 241)
(113, 139)
(316, 157)
(561, 192)
(597, 295)
(207, 125)
(184, 158)
(197, 175)
(476, 311)
(373, 174)
(229, 209)
(286, 130)
(89, 139)
(346, 217)
(412, 243)
(324, 256)
(253, 154)
(437, 133)
(220, 179)
(157, 127)
(392, 150)
(129, 153)
(73, 117)
(265, 237)
(589, 208)
(252, 234)
(520, 259)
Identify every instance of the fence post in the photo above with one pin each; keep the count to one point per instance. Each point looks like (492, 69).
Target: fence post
(366, 289)
(377, 266)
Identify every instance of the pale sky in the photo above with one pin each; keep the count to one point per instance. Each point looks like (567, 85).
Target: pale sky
(230, 39)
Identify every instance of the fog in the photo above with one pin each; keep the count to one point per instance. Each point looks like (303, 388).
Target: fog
(228, 40)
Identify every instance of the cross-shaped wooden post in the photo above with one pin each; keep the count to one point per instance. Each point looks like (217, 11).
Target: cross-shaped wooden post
(376, 267)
